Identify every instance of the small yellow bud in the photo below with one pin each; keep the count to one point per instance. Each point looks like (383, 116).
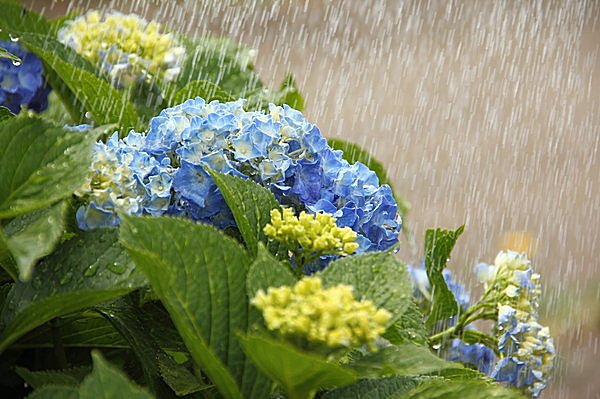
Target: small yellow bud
(313, 233)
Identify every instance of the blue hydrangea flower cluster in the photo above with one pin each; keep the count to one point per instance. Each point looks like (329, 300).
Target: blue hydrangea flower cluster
(22, 83)
(123, 178)
(279, 149)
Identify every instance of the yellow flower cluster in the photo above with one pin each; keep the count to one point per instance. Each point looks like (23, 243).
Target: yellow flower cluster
(119, 41)
(314, 233)
(323, 316)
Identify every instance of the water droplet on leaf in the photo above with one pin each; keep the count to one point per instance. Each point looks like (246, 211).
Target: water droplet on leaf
(117, 268)
(91, 270)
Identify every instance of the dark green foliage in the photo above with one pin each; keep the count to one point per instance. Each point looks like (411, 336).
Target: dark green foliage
(83, 272)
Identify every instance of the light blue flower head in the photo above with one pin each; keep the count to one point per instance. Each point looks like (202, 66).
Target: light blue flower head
(278, 149)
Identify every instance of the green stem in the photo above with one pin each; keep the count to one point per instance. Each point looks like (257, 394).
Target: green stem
(479, 311)
(440, 335)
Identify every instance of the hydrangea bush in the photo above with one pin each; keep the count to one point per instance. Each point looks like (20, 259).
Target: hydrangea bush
(211, 242)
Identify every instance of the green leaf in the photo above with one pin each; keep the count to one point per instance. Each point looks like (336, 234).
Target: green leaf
(378, 276)
(41, 164)
(409, 328)
(105, 103)
(125, 318)
(179, 378)
(34, 235)
(299, 373)
(267, 271)
(200, 88)
(199, 274)
(5, 113)
(353, 153)
(438, 245)
(62, 98)
(441, 388)
(401, 360)
(16, 19)
(68, 377)
(4, 290)
(83, 272)
(55, 392)
(250, 204)
(106, 382)
(158, 323)
(379, 388)
(6, 260)
(463, 374)
(89, 330)
(6, 54)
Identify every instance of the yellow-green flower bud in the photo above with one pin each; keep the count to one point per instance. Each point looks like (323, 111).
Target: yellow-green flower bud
(329, 317)
(313, 233)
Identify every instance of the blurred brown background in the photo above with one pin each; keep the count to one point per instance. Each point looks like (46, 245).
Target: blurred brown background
(485, 113)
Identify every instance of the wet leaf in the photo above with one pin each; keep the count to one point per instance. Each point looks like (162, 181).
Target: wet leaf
(400, 360)
(41, 164)
(250, 204)
(32, 236)
(438, 245)
(107, 382)
(409, 328)
(441, 388)
(89, 330)
(60, 286)
(105, 103)
(299, 373)
(267, 271)
(67, 377)
(377, 276)
(126, 319)
(378, 388)
(205, 294)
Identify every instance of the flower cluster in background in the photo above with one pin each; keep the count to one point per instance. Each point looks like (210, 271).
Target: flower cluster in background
(279, 149)
(524, 352)
(331, 317)
(128, 47)
(526, 347)
(22, 83)
(313, 233)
